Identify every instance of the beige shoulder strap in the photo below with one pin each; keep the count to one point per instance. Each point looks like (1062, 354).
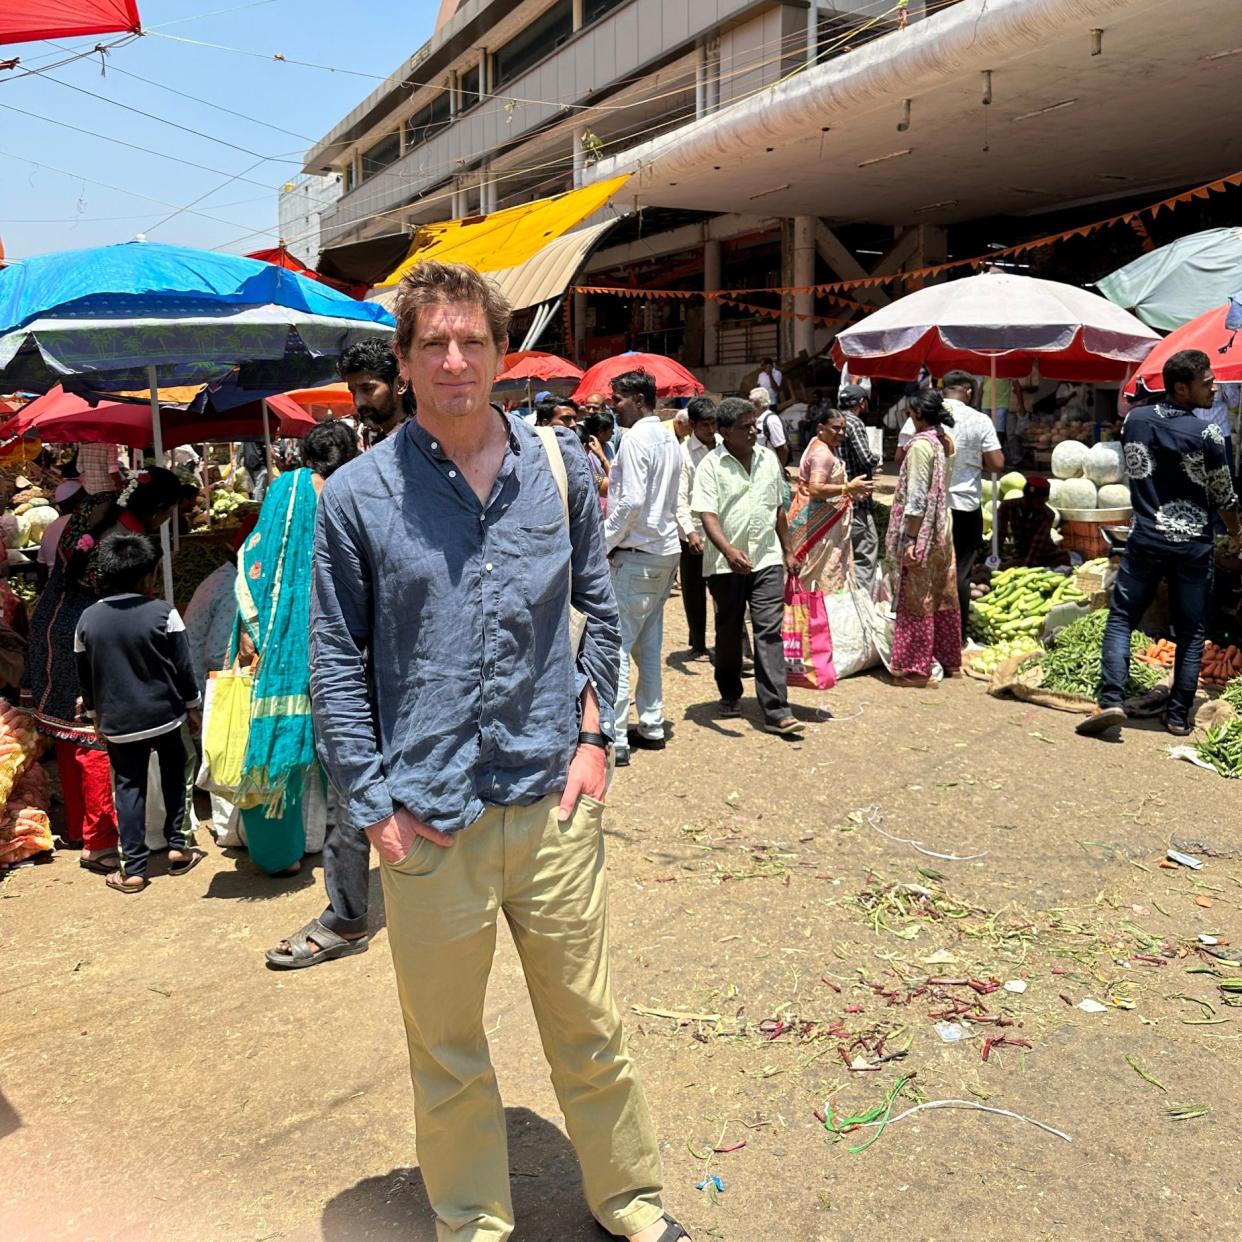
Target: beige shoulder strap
(552, 450)
(557, 464)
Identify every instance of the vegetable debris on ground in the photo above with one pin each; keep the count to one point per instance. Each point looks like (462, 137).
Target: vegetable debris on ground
(1222, 748)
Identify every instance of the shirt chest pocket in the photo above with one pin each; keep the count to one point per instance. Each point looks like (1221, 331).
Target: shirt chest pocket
(537, 556)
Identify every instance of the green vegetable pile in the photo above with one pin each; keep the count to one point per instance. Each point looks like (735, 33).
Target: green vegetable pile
(1072, 665)
(1019, 601)
(991, 658)
(1232, 694)
(1222, 748)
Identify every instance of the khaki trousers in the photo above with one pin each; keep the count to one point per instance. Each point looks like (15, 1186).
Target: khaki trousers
(442, 906)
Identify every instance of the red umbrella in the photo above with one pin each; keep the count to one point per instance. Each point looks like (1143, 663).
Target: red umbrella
(1208, 333)
(23, 21)
(280, 257)
(531, 364)
(61, 417)
(671, 378)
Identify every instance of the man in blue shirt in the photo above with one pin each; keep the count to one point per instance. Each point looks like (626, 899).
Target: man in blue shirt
(1179, 476)
(469, 739)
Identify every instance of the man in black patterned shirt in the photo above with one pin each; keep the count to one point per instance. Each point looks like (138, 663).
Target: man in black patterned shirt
(1179, 476)
(858, 459)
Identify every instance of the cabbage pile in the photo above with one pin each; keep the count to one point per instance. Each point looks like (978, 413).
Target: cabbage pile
(1089, 478)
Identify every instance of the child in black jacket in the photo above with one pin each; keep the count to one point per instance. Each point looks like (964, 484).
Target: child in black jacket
(138, 686)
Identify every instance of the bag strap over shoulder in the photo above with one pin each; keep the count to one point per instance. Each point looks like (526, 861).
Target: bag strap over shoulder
(557, 463)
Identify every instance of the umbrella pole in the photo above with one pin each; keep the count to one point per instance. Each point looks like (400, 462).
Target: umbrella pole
(267, 439)
(157, 444)
(994, 559)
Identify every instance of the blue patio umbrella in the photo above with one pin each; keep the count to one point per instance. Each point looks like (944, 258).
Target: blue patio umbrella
(145, 315)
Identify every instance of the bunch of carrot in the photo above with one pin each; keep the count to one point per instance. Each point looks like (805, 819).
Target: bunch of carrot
(1161, 652)
(1220, 664)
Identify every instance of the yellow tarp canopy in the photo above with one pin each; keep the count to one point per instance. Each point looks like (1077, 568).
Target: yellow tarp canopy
(505, 238)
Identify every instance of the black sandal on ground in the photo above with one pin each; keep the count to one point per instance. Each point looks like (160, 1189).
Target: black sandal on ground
(672, 1231)
(106, 864)
(330, 945)
(187, 864)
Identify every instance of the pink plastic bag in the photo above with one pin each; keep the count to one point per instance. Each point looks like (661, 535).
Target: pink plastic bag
(807, 639)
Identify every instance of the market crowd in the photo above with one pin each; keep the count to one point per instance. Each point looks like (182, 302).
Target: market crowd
(444, 624)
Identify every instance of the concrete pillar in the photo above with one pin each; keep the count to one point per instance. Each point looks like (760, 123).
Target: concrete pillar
(712, 72)
(785, 325)
(580, 307)
(700, 80)
(931, 247)
(577, 14)
(711, 308)
(485, 72)
(454, 89)
(812, 31)
(459, 201)
(803, 274)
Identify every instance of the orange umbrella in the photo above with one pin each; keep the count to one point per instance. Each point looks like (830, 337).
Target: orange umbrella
(330, 401)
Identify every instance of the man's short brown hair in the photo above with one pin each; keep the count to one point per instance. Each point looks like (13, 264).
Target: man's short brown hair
(432, 283)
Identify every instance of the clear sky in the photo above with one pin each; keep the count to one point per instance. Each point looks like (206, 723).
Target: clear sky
(276, 110)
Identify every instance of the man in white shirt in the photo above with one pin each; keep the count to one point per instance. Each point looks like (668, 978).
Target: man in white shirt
(770, 380)
(977, 448)
(702, 439)
(771, 430)
(640, 533)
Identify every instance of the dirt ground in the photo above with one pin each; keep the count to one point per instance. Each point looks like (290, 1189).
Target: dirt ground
(157, 1082)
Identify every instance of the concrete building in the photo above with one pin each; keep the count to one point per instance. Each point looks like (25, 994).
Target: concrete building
(780, 144)
(301, 205)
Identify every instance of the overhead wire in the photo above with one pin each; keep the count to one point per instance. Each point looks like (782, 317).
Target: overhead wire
(90, 133)
(63, 172)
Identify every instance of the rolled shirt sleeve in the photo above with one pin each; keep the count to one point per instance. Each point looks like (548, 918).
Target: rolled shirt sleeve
(339, 643)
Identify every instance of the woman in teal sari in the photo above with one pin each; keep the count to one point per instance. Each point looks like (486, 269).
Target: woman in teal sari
(273, 599)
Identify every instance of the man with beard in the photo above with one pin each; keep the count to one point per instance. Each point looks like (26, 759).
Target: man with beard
(369, 369)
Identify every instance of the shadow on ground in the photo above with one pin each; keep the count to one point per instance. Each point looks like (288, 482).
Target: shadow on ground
(543, 1171)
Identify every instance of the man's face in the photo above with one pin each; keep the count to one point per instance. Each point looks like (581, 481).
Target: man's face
(565, 416)
(452, 361)
(1201, 392)
(705, 431)
(595, 405)
(375, 400)
(741, 437)
(628, 409)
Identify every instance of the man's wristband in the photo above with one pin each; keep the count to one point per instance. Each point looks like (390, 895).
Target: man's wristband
(594, 739)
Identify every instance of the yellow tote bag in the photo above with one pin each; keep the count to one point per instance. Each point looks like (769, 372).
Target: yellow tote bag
(227, 729)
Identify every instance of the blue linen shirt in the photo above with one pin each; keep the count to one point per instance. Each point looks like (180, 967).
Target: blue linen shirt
(441, 675)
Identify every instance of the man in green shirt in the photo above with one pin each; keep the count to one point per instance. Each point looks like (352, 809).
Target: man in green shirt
(737, 497)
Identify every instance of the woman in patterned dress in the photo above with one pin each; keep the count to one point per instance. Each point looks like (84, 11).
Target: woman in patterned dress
(920, 545)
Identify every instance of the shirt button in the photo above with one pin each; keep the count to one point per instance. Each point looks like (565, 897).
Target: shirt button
(488, 567)
(452, 474)
(434, 445)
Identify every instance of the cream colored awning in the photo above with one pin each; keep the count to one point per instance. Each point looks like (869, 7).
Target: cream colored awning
(543, 276)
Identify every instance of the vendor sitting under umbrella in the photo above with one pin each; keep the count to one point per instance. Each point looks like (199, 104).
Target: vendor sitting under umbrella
(1027, 521)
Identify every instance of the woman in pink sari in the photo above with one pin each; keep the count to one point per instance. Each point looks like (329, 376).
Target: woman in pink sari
(819, 519)
(920, 546)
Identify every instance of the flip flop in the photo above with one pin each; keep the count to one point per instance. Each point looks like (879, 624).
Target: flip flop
(116, 882)
(196, 857)
(331, 945)
(784, 728)
(105, 864)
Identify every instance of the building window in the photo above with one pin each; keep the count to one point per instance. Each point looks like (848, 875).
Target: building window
(593, 10)
(386, 151)
(543, 35)
(468, 89)
(427, 122)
